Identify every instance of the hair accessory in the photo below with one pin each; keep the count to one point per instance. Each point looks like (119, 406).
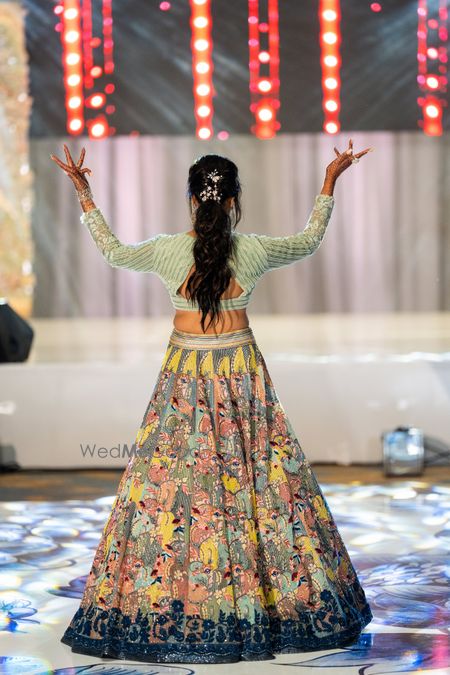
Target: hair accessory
(211, 191)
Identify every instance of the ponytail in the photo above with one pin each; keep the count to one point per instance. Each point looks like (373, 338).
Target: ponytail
(214, 245)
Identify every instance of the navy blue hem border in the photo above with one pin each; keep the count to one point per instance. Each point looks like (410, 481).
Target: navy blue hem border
(213, 652)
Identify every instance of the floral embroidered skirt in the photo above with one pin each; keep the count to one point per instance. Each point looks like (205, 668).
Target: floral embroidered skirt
(220, 545)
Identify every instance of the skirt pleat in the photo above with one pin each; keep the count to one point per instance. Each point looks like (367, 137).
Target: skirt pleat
(220, 545)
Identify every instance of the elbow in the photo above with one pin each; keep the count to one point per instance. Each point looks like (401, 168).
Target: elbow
(113, 256)
(314, 245)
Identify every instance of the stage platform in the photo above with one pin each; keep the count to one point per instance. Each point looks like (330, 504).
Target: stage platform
(342, 379)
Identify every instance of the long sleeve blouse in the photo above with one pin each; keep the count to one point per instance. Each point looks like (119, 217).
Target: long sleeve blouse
(170, 256)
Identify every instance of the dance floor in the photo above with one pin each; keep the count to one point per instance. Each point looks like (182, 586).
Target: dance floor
(398, 536)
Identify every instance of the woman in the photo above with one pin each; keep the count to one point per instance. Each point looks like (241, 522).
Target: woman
(220, 545)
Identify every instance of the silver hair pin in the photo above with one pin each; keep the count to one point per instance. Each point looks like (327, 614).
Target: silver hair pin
(211, 191)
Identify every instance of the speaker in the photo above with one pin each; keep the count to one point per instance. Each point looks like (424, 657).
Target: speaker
(403, 452)
(8, 461)
(16, 335)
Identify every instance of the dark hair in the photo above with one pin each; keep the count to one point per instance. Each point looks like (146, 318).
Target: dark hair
(212, 180)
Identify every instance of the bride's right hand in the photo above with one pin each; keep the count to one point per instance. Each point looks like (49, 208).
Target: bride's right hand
(74, 171)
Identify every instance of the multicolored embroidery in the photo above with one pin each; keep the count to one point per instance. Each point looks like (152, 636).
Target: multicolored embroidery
(220, 545)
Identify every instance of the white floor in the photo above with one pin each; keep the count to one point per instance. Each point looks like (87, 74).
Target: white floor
(343, 380)
(398, 536)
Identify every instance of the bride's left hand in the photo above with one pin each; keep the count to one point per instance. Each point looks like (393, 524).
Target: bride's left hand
(344, 160)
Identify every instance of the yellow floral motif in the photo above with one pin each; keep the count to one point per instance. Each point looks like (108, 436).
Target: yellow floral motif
(224, 367)
(209, 554)
(190, 365)
(253, 498)
(273, 596)
(109, 540)
(276, 471)
(163, 461)
(230, 483)
(308, 547)
(175, 360)
(166, 526)
(319, 505)
(252, 360)
(166, 356)
(251, 530)
(139, 435)
(104, 588)
(154, 592)
(239, 365)
(143, 434)
(331, 574)
(207, 365)
(135, 492)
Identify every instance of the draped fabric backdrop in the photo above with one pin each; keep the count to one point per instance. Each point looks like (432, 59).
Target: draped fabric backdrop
(16, 180)
(387, 247)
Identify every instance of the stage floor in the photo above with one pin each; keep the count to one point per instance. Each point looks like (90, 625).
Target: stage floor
(305, 338)
(397, 534)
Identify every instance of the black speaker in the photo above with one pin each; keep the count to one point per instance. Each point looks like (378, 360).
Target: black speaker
(8, 460)
(16, 335)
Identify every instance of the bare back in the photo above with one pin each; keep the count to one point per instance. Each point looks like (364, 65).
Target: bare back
(232, 319)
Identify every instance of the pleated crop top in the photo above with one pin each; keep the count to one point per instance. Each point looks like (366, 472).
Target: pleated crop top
(170, 256)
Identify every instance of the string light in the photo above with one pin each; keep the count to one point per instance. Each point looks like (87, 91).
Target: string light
(98, 127)
(107, 37)
(69, 15)
(202, 67)
(88, 60)
(432, 65)
(84, 77)
(264, 86)
(330, 40)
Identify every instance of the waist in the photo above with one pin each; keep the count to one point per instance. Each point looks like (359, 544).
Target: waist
(235, 338)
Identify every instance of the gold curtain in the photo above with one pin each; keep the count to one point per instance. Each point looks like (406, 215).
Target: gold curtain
(16, 246)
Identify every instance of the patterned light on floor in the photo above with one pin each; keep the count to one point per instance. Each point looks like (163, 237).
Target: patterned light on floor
(47, 547)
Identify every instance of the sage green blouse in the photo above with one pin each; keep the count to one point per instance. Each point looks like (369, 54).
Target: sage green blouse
(170, 256)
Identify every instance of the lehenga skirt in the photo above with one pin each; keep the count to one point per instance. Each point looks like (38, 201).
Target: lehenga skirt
(220, 545)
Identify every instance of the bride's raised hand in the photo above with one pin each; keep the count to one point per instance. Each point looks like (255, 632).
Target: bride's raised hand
(76, 172)
(344, 160)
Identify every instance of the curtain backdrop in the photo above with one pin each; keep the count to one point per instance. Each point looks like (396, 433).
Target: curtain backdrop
(387, 247)
(16, 279)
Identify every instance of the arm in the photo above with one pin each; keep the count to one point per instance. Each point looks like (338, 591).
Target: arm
(285, 250)
(282, 251)
(139, 257)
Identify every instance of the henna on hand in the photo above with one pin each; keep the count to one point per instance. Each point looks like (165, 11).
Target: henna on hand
(77, 175)
(343, 161)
